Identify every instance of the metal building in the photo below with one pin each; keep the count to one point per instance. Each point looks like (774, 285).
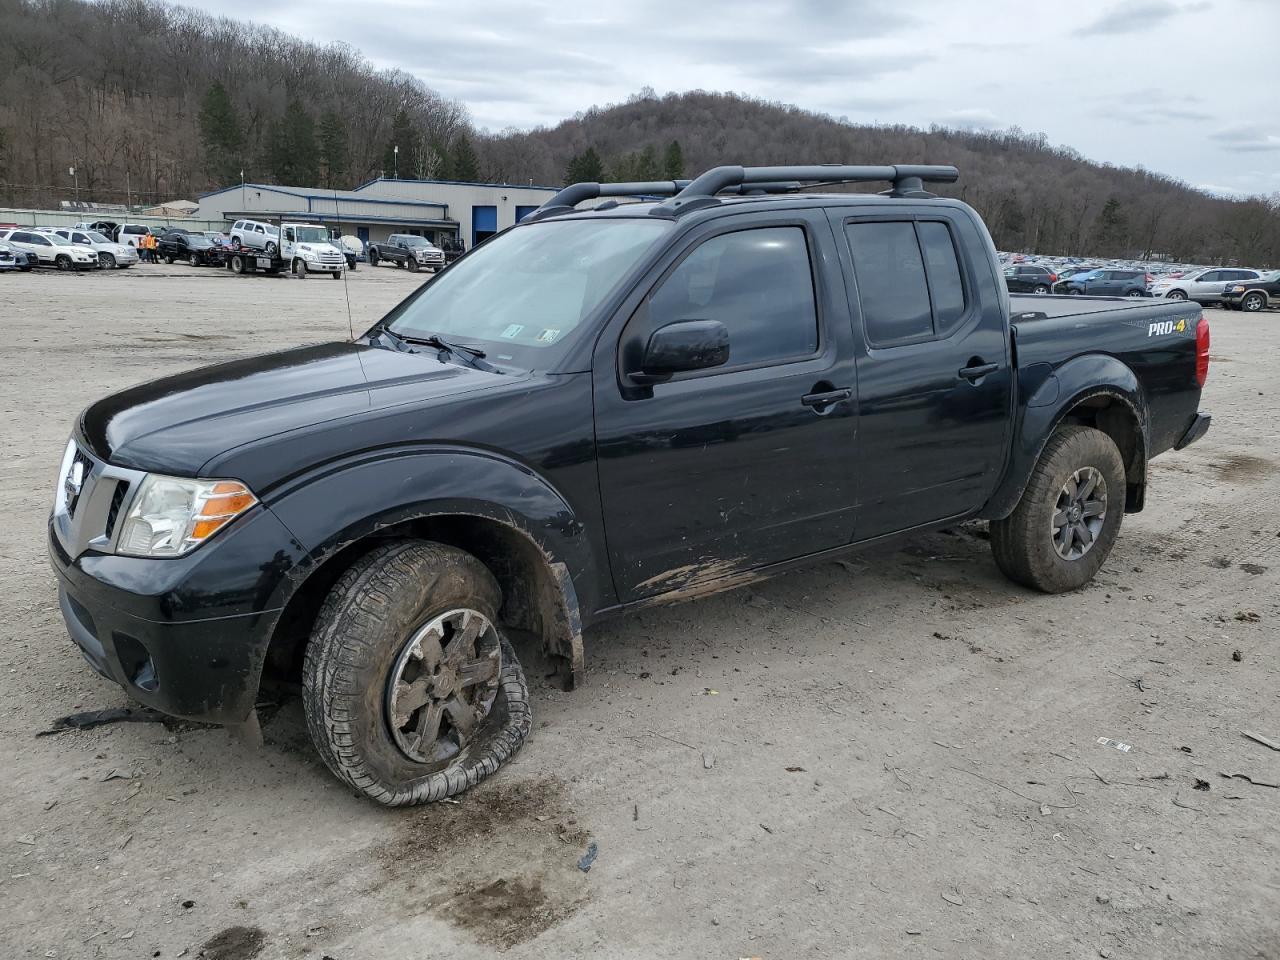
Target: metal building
(435, 209)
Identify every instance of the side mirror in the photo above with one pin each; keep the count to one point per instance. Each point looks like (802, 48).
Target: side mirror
(682, 346)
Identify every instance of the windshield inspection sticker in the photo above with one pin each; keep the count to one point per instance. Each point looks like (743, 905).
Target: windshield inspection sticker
(1166, 326)
(548, 336)
(512, 331)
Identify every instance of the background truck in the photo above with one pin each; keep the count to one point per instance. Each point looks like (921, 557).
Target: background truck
(596, 411)
(300, 248)
(407, 250)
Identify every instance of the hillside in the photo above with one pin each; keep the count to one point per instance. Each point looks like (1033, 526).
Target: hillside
(151, 102)
(1034, 196)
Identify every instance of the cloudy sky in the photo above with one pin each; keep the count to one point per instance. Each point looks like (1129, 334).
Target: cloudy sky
(1184, 87)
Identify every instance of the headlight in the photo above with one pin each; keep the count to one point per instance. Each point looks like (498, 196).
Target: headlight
(171, 516)
(1238, 288)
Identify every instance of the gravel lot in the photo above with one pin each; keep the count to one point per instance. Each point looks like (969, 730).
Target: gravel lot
(893, 756)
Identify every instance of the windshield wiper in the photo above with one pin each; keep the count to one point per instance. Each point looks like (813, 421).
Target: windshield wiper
(472, 356)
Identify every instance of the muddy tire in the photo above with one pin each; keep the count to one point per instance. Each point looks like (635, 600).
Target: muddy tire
(1067, 521)
(370, 686)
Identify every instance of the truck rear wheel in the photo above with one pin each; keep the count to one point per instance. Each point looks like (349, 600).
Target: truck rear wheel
(411, 692)
(373, 258)
(1067, 521)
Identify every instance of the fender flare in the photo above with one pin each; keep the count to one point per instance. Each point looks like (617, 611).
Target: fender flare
(1079, 379)
(327, 510)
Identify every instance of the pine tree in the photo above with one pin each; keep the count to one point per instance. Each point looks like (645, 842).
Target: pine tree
(1112, 230)
(334, 149)
(404, 137)
(646, 165)
(673, 162)
(293, 155)
(466, 166)
(221, 135)
(584, 167)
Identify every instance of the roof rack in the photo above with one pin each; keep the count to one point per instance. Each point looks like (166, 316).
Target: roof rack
(576, 193)
(908, 181)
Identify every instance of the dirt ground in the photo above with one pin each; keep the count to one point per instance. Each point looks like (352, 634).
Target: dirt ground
(897, 755)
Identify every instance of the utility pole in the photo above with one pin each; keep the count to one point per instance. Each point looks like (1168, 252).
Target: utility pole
(76, 177)
(396, 160)
(128, 198)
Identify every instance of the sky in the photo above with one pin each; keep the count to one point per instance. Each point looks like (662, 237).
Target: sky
(1181, 87)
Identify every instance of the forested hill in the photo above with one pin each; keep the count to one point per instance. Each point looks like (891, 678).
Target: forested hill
(1034, 196)
(165, 102)
(151, 102)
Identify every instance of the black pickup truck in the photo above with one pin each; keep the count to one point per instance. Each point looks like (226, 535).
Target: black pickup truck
(598, 410)
(407, 250)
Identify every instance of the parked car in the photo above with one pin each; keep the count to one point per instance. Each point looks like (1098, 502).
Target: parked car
(1205, 286)
(110, 254)
(8, 259)
(1107, 283)
(51, 250)
(1029, 278)
(21, 259)
(256, 235)
(407, 250)
(195, 248)
(130, 233)
(105, 227)
(1253, 296)
(600, 410)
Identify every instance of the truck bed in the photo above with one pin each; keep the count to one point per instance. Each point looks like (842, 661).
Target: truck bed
(1154, 338)
(1028, 307)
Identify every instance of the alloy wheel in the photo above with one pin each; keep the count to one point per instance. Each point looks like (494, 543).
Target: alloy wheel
(1079, 513)
(443, 685)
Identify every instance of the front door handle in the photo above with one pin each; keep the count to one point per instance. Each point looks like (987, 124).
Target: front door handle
(977, 371)
(821, 402)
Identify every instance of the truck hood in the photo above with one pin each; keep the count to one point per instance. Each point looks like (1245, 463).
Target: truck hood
(178, 424)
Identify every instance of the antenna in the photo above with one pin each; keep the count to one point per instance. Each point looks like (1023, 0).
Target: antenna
(342, 249)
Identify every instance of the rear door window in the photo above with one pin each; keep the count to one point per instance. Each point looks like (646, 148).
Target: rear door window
(910, 285)
(891, 284)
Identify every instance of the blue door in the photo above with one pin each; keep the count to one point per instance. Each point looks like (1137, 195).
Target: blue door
(484, 223)
(522, 212)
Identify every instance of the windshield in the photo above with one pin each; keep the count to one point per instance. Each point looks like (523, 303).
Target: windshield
(97, 237)
(527, 289)
(312, 234)
(416, 242)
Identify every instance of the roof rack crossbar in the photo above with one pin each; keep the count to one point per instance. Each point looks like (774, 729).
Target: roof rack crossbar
(908, 180)
(576, 193)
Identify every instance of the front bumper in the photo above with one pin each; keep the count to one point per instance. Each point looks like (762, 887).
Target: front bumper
(322, 266)
(185, 635)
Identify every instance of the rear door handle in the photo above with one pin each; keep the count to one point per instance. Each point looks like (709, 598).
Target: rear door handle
(827, 398)
(978, 371)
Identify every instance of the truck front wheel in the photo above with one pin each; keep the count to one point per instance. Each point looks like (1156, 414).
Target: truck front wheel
(1069, 516)
(411, 692)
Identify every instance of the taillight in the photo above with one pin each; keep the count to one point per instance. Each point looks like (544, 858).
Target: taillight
(1202, 352)
(1053, 278)
(1150, 278)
